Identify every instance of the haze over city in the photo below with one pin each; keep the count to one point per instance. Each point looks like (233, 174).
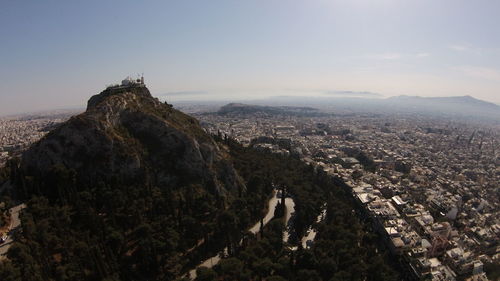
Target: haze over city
(260, 140)
(53, 54)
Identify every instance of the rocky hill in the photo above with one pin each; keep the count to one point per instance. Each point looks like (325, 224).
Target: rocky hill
(127, 134)
(133, 189)
(141, 183)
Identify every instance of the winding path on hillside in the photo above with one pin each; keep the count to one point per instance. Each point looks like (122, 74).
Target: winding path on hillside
(311, 232)
(289, 211)
(212, 261)
(15, 223)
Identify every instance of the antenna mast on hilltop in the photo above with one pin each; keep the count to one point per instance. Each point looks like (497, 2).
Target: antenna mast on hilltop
(142, 78)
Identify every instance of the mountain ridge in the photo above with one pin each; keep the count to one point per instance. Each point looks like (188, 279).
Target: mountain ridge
(467, 99)
(466, 108)
(242, 108)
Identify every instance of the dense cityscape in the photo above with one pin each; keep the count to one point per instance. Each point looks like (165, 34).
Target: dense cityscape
(429, 186)
(318, 140)
(19, 132)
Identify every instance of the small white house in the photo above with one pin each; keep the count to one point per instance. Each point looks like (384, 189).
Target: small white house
(128, 81)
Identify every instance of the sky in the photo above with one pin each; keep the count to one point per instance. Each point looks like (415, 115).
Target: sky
(56, 54)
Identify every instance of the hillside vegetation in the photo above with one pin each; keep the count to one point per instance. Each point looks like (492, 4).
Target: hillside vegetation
(133, 189)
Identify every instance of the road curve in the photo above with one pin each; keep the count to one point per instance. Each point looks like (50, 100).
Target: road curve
(212, 261)
(15, 222)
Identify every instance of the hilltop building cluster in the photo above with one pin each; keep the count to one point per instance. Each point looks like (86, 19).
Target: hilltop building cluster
(129, 82)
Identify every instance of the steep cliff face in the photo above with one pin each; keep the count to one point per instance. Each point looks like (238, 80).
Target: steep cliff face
(127, 136)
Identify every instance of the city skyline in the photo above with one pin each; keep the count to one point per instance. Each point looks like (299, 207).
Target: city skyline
(59, 53)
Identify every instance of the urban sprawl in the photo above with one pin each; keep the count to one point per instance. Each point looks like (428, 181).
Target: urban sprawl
(428, 186)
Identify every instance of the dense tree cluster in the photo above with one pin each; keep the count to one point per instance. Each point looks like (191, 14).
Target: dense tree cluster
(343, 250)
(116, 230)
(120, 231)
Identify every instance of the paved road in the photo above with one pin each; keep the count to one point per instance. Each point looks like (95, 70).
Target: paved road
(15, 222)
(270, 213)
(311, 234)
(210, 262)
(289, 210)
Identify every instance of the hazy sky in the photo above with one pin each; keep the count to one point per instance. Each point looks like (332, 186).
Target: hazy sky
(56, 54)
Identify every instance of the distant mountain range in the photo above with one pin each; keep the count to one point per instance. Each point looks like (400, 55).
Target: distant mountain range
(457, 100)
(459, 105)
(455, 107)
